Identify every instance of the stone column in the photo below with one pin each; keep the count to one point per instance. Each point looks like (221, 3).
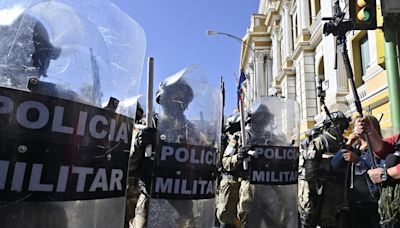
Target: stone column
(299, 16)
(287, 27)
(269, 74)
(261, 76)
(276, 52)
(304, 14)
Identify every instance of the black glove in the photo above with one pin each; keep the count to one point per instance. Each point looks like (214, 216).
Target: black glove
(305, 220)
(243, 152)
(146, 137)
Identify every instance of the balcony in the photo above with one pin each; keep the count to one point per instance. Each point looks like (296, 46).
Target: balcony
(362, 93)
(316, 23)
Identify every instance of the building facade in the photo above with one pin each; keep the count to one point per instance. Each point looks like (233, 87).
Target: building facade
(285, 52)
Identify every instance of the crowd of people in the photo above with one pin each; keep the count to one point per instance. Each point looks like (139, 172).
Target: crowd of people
(343, 181)
(349, 181)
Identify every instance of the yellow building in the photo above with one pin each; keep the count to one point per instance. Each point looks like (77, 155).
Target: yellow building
(290, 54)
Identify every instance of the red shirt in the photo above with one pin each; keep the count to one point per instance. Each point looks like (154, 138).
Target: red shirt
(388, 147)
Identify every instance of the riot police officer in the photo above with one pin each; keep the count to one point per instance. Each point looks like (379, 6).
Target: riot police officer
(256, 210)
(302, 183)
(66, 127)
(174, 97)
(232, 174)
(133, 192)
(323, 197)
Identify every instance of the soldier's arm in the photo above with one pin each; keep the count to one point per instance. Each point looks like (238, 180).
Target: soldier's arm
(136, 153)
(231, 162)
(311, 165)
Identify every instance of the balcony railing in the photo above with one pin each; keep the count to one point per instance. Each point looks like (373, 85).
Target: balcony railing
(362, 93)
(315, 23)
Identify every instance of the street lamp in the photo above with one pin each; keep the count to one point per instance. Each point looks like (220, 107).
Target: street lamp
(212, 33)
(241, 41)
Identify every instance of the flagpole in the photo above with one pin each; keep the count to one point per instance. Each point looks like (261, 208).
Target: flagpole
(243, 132)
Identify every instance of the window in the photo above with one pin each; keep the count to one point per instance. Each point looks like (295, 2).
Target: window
(361, 57)
(294, 27)
(317, 6)
(364, 54)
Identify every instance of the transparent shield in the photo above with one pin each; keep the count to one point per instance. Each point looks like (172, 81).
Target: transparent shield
(189, 123)
(274, 137)
(69, 71)
(86, 51)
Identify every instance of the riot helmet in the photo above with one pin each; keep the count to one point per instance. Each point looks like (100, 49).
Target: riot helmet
(25, 51)
(338, 119)
(314, 132)
(232, 123)
(258, 118)
(44, 50)
(174, 95)
(258, 114)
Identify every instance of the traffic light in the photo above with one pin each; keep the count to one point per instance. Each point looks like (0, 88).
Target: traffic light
(363, 13)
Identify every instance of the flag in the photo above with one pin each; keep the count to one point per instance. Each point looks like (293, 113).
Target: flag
(242, 78)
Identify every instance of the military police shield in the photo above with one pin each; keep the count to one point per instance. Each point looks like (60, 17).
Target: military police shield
(66, 132)
(184, 172)
(274, 138)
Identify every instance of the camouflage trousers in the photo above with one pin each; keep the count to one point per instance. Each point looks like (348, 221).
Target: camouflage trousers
(183, 208)
(303, 196)
(324, 209)
(244, 202)
(227, 200)
(142, 207)
(271, 206)
(132, 197)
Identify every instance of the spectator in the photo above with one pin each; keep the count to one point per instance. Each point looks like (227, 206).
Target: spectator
(381, 148)
(362, 194)
(387, 175)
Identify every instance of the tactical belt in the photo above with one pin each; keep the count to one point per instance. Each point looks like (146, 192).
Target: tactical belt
(228, 176)
(327, 155)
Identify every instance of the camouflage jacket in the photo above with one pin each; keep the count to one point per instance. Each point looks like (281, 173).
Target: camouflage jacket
(230, 162)
(317, 162)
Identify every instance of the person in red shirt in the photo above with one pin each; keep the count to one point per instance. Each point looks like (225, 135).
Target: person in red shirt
(381, 149)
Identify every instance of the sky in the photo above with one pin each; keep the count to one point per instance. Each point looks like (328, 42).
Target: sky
(176, 33)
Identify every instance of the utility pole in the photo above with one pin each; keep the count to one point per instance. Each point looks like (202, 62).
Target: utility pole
(390, 11)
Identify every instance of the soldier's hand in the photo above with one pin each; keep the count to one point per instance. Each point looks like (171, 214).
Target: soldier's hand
(146, 137)
(243, 152)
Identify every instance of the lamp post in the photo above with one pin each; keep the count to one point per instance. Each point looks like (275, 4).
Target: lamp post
(252, 51)
(211, 33)
(242, 118)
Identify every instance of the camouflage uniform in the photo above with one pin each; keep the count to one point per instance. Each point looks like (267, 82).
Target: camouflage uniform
(256, 210)
(233, 176)
(303, 189)
(322, 196)
(133, 188)
(142, 166)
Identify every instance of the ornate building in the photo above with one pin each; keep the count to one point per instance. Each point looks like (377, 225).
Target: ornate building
(285, 51)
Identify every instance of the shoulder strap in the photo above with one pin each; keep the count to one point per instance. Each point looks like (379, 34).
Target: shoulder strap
(331, 145)
(397, 147)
